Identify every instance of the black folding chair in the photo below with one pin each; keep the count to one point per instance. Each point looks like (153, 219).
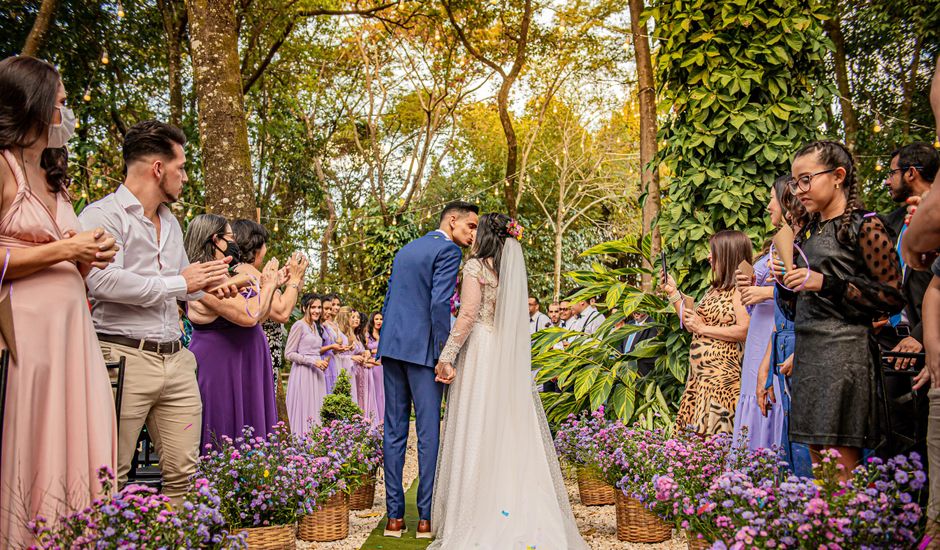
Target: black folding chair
(145, 466)
(117, 385)
(4, 369)
(905, 409)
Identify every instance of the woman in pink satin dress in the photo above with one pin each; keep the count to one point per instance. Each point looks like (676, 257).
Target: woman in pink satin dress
(59, 426)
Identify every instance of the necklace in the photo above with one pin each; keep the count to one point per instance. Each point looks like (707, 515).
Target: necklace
(822, 225)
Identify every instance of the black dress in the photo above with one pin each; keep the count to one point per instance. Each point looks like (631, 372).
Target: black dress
(835, 381)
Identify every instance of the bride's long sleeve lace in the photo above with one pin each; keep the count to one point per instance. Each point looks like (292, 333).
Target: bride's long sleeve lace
(471, 297)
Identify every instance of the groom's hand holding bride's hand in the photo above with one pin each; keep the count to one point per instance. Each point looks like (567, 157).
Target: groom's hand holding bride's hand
(445, 373)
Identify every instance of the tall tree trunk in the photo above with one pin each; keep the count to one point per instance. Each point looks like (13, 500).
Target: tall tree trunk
(834, 29)
(327, 237)
(37, 35)
(649, 173)
(909, 85)
(223, 127)
(512, 145)
(174, 25)
(556, 269)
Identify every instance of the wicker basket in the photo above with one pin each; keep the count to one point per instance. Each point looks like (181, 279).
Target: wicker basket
(328, 523)
(637, 524)
(593, 489)
(277, 537)
(363, 497)
(695, 543)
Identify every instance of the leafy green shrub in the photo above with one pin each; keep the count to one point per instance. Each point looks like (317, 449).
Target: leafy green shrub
(339, 405)
(592, 372)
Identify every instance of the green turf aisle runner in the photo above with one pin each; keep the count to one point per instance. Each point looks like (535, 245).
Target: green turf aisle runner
(377, 541)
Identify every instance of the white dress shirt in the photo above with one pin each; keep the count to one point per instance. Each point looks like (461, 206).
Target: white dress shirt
(538, 322)
(588, 321)
(136, 295)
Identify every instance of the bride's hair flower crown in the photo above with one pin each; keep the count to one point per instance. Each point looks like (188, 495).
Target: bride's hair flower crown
(514, 229)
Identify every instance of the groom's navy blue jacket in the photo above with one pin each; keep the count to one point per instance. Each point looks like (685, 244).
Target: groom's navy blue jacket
(416, 313)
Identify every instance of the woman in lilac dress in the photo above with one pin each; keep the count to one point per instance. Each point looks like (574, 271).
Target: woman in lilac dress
(348, 358)
(757, 294)
(364, 365)
(306, 386)
(372, 344)
(331, 339)
(235, 375)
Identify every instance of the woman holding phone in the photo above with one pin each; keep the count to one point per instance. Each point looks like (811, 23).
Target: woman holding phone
(719, 326)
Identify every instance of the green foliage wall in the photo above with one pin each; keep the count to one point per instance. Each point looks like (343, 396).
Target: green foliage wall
(746, 86)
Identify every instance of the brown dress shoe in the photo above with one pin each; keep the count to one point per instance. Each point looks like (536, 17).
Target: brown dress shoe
(424, 529)
(395, 528)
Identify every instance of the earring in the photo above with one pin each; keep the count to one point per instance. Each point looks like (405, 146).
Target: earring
(838, 186)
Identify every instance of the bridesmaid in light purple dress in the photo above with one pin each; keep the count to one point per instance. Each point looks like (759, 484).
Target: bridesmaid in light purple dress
(364, 366)
(762, 431)
(347, 358)
(306, 386)
(330, 339)
(372, 344)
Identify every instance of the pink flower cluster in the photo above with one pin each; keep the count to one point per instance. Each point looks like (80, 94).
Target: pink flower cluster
(138, 517)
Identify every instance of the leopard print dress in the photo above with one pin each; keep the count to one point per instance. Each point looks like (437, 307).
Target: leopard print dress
(714, 383)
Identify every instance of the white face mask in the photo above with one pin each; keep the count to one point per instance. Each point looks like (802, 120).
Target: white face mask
(60, 134)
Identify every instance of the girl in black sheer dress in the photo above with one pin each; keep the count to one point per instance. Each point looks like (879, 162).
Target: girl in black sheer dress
(852, 280)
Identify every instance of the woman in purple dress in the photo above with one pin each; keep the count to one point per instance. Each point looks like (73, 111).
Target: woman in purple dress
(757, 294)
(364, 365)
(306, 386)
(349, 359)
(331, 340)
(235, 376)
(372, 344)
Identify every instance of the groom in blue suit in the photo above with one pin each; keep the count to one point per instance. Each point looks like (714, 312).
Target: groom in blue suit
(415, 328)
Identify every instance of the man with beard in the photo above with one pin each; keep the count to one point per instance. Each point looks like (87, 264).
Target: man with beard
(911, 172)
(134, 303)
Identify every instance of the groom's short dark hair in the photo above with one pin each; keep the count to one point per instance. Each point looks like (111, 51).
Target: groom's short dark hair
(459, 207)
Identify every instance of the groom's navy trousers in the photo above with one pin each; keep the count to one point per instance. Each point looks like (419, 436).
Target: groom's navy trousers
(403, 382)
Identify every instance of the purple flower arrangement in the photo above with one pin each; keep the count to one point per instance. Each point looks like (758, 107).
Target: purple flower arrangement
(138, 517)
(353, 446)
(265, 481)
(749, 499)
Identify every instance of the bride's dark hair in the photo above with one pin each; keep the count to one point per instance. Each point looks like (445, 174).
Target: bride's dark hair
(492, 232)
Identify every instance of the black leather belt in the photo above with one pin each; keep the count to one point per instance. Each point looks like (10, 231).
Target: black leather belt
(163, 348)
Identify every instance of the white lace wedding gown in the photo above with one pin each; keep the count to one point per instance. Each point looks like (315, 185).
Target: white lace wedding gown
(498, 482)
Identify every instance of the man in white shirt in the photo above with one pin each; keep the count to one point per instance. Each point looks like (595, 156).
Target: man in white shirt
(586, 318)
(564, 312)
(134, 304)
(537, 320)
(554, 313)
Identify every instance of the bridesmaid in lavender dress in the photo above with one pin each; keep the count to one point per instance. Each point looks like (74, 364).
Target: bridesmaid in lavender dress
(306, 386)
(372, 344)
(347, 358)
(758, 296)
(330, 340)
(364, 365)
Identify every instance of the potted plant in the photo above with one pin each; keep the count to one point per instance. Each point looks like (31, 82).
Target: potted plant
(634, 462)
(266, 484)
(136, 517)
(575, 444)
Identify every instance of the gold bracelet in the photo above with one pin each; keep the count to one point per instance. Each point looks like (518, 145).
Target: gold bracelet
(675, 297)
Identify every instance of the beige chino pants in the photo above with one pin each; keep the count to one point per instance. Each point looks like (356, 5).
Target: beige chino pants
(161, 391)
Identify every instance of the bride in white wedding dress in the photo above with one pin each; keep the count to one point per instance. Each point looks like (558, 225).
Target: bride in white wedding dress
(498, 483)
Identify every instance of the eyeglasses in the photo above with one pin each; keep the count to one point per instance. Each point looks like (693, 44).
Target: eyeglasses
(902, 169)
(803, 182)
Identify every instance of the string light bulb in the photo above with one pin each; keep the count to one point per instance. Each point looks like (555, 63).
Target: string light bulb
(876, 128)
(86, 97)
(276, 227)
(120, 11)
(878, 166)
(936, 142)
(104, 58)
